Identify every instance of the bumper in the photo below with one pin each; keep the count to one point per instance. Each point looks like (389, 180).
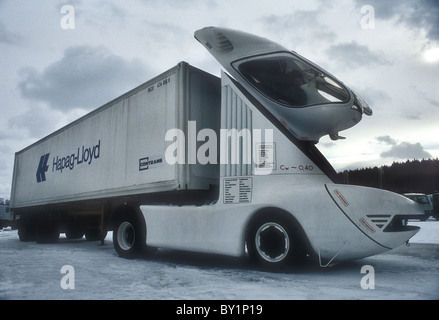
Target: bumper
(380, 215)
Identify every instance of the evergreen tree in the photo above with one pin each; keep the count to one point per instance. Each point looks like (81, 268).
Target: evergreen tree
(411, 176)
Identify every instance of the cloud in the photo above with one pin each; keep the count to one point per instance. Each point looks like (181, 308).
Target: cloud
(387, 140)
(404, 150)
(9, 37)
(102, 14)
(85, 77)
(354, 54)
(420, 14)
(37, 121)
(425, 96)
(300, 22)
(376, 98)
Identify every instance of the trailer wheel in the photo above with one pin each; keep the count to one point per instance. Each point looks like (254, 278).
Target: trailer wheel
(74, 233)
(128, 237)
(47, 233)
(26, 231)
(270, 242)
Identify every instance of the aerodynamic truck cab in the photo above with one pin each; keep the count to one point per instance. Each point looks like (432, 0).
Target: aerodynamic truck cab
(286, 202)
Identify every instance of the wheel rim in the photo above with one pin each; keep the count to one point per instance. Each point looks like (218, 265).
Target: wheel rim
(272, 242)
(125, 236)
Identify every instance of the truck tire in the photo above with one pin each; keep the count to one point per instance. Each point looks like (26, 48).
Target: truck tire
(270, 242)
(74, 233)
(47, 233)
(129, 236)
(26, 231)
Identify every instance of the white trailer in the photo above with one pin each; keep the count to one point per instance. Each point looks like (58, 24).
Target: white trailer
(114, 157)
(228, 166)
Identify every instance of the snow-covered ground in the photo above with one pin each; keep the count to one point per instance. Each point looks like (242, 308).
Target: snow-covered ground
(35, 271)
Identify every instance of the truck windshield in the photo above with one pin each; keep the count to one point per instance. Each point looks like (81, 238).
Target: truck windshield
(421, 199)
(291, 81)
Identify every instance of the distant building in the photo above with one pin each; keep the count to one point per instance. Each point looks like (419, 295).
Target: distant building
(6, 216)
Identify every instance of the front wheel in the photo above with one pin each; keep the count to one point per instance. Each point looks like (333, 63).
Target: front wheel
(129, 237)
(270, 242)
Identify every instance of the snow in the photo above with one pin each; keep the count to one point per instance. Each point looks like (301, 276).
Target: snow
(33, 271)
(428, 233)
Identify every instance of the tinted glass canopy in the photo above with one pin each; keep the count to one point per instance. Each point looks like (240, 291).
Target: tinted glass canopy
(291, 81)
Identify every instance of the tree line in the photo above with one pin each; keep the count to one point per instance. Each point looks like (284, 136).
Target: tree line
(410, 176)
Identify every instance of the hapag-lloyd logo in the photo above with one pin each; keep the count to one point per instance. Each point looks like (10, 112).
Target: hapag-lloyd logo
(82, 155)
(42, 168)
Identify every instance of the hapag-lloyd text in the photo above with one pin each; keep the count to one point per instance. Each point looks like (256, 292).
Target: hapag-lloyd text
(83, 155)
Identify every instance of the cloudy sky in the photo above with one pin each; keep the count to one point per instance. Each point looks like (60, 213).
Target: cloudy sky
(57, 65)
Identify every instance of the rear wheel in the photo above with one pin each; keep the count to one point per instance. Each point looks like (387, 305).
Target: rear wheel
(129, 236)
